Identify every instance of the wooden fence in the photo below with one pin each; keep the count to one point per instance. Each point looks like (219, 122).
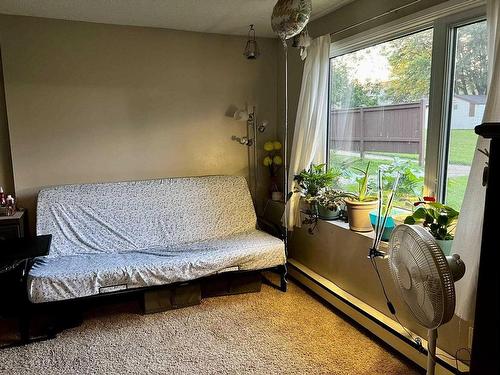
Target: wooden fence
(392, 128)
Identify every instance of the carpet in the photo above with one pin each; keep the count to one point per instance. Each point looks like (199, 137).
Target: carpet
(260, 333)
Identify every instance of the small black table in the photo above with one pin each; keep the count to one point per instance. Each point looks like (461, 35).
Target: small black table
(16, 258)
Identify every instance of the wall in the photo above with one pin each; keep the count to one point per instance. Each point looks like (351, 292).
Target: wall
(6, 179)
(92, 102)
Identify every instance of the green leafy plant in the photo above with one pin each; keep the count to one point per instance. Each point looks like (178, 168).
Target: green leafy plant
(438, 218)
(313, 180)
(333, 200)
(411, 180)
(362, 195)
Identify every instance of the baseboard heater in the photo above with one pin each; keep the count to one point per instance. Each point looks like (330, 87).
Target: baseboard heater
(377, 323)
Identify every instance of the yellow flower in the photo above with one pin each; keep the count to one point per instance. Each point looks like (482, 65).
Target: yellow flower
(268, 146)
(277, 145)
(268, 161)
(277, 160)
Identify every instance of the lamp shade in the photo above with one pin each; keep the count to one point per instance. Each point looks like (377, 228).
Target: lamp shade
(241, 115)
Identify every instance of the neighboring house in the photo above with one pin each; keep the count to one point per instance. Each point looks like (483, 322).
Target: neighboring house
(467, 111)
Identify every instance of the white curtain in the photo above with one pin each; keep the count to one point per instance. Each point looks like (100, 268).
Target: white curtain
(309, 137)
(467, 241)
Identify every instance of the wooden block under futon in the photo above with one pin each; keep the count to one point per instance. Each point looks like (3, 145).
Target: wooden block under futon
(174, 297)
(231, 283)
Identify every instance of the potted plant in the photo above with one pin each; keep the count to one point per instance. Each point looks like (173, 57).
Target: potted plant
(314, 180)
(273, 161)
(440, 220)
(360, 204)
(331, 203)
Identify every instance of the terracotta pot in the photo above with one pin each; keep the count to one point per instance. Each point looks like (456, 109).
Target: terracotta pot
(358, 214)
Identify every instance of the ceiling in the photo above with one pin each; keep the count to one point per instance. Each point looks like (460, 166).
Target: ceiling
(209, 16)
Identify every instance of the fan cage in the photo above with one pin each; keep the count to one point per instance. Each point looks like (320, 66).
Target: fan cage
(432, 285)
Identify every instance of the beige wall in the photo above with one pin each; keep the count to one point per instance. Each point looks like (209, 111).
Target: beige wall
(91, 102)
(6, 179)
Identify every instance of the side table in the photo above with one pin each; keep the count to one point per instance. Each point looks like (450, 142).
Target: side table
(13, 226)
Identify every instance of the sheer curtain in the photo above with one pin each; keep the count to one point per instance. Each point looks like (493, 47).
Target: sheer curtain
(309, 137)
(467, 241)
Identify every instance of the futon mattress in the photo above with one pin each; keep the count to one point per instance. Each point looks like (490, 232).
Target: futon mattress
(83, 275)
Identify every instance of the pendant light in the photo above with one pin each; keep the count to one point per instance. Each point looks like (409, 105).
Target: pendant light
(251, 49)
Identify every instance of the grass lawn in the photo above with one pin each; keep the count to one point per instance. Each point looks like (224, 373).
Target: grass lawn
(462, 146)
(455, 191)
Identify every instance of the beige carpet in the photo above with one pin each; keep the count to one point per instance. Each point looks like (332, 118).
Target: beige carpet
(261, 333)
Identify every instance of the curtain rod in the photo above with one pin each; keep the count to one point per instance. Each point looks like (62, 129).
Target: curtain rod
(390, 11)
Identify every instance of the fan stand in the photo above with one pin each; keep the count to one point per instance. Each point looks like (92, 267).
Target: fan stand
(431, 351)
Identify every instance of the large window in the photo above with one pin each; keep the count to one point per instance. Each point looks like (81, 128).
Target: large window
(380, 98)
(378, 112)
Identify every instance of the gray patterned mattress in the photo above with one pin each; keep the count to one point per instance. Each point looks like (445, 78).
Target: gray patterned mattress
(114, 236)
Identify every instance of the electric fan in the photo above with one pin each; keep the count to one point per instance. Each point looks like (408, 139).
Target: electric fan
(425, 279)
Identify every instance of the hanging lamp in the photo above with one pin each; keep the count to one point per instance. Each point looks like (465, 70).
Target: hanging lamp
(251, 49)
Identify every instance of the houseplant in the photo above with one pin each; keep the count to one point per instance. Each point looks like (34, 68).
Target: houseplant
(360, 204)
(331, 203)
(314, 180)
(440, 220)
(273, 161)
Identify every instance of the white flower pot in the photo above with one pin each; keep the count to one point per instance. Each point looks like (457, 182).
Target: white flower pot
(327, 214)
(445, 246)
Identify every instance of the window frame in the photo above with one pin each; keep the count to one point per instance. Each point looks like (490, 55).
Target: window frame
(443, 19)
(447, 27)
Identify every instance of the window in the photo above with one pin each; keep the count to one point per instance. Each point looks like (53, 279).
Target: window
(378, 112)
(387, 113)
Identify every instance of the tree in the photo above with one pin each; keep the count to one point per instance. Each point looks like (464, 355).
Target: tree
(409, 59)
(471, 70)
(410, 66)
(410, 63)
(348, 92)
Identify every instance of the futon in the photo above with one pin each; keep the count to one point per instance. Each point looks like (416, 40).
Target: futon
(109, 237)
